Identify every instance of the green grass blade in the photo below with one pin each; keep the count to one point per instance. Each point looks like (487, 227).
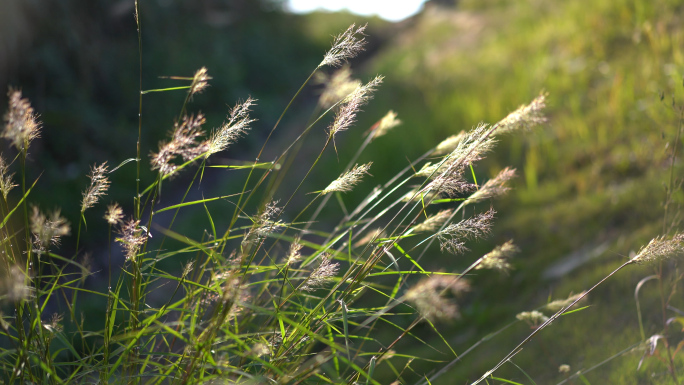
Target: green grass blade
(201, 201)
(4, 221)
(166, 89)
(505, 380)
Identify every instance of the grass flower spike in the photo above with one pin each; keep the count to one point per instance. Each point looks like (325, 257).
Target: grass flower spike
(337, 87)
(449, 144)
(467, 149)
(434, 222)
(498, 258)
(21, 122)
(533, 318)
(493, 187)
(450, 184)
(131, 238)
(230, 132)
(453, 237)
(559, 304)
(99, 183)
(114, 214)
(294, 254)
(345, 117)
(525, 117)
(47, 231)
(200, 81)
(263, 224)
(428, 297)
(346, 113)
(388, 122)
(322, 274)
(345, 46)
(348, 180)
(184, 144)
(6, 184)
(660, 249)
(14, 287)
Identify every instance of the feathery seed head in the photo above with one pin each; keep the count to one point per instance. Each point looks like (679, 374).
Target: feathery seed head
(525, 117)
(259, 349)
(388, 122)
(428, 170)
(467, 149)
(428, 296)
(184, 144)
(114, 214)
(498, 258)
(559, 304)
(14, 285)
(348, 180)
(449, 144)
(474, 145)
(55, 324)
(21, 122)
(337, 87)
(661, 248)
(6, 184)
(131, 238)
(345, 115)
(453, 237)
(345, 46)
(493, 188)
(263, 224)
(294, 254)
(449, 184)
(188, 268)
(322, 274)
(434, 222)
(200, 81)
(234, 295)
(99, 183)
(46, 230)
(230, 132)
(364, 93)
(533, 318)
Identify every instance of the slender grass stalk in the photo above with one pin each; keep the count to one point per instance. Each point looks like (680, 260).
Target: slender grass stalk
(551, 319)
(136, 199)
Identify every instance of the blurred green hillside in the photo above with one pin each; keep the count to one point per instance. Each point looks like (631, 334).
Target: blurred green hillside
(592, 183)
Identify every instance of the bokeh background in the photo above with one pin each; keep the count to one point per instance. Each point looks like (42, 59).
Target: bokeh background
(591, 183)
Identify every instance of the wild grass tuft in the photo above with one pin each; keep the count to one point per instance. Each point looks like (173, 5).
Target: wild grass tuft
(269, 293)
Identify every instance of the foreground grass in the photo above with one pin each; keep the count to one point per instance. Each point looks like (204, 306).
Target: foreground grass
(270, 292)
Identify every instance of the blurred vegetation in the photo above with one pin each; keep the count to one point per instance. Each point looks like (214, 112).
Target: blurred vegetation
(591, 183)
(77, 61)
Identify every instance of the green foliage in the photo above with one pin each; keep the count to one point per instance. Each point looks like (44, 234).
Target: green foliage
(592, 182)
(289, 275)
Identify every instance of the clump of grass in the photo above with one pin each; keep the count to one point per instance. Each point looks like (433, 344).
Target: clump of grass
(263, 297)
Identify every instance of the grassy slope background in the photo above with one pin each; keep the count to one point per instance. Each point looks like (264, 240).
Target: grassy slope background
(591, 186)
